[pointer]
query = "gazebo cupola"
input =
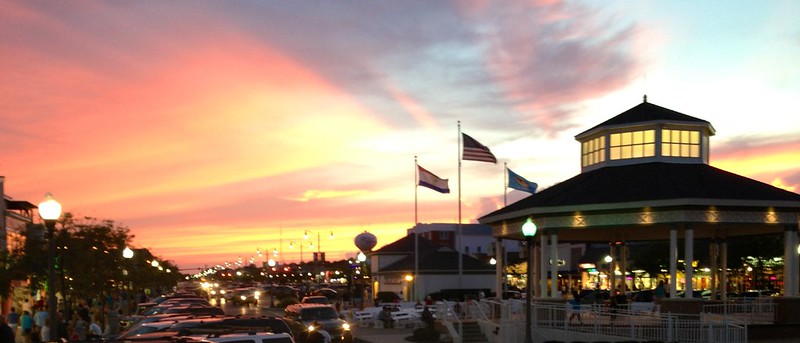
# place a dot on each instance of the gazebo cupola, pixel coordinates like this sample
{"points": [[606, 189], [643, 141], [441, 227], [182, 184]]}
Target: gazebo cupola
{"points": [[645, 133]]}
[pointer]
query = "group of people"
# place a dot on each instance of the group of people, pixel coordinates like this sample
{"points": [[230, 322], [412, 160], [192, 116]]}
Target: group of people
{"points": [[31, 323], [385, 316]]}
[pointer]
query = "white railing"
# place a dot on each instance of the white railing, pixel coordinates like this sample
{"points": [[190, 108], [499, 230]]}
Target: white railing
{"points": [[551, 321], [749, 310]]}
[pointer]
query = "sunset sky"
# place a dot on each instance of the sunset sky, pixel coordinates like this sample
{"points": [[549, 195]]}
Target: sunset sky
{"points": [[215, 128]]}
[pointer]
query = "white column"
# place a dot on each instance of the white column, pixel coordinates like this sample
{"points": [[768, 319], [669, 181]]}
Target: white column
{"points": [[554, 264], [688, 258], [673, 261], [543, 266]]}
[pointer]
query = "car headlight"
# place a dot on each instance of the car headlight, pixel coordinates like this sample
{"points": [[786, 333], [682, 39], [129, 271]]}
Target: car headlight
{"points": [[257, 293], [346, 326], [243, 297], [311, 328], [222, 292], [213, 292]]}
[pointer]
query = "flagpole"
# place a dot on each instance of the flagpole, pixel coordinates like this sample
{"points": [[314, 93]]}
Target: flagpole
{"points": [[415, 231], [416, 189], [458, 228], [505, 184]]}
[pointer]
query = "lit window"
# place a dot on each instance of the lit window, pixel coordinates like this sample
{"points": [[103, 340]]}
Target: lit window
{"points": [[634, 144], [593, 151], [680, 143]]}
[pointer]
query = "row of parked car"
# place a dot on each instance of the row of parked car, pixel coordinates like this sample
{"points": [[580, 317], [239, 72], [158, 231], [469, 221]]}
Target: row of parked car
{"points": [[176, 318]]}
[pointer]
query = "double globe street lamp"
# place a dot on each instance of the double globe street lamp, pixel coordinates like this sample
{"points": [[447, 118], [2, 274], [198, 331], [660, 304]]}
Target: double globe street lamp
{"points": [[50, 211]]}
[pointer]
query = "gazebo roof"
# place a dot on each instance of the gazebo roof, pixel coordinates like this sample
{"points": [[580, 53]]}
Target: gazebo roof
{"points": [[655, 195], [648, 113]]}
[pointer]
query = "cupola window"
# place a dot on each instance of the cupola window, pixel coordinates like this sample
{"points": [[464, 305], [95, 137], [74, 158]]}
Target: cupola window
{"points": [[632, 144], [680, 143], [593, 151]]}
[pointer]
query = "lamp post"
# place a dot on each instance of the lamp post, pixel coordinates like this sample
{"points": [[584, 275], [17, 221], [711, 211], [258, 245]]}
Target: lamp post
{"points": [[611, 282], [127, 253], [50, 211], [529, 230]]}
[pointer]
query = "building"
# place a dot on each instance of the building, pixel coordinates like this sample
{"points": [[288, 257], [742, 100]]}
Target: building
{"points": [[645, 177]]}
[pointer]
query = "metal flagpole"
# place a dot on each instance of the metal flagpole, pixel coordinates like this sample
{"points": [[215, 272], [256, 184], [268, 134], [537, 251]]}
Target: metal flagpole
{"points": [[505, 184], [416, 228], [458, 228], [416, 183]]}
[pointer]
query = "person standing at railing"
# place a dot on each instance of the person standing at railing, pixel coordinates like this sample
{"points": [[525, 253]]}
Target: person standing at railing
{"points": [[575, 306], [660, 292], [619, 300]]}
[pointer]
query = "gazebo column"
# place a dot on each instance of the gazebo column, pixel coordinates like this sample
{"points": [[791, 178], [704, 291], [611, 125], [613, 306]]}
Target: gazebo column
{"points": [[553, 264], [688, 258], [673, 261], [623, 263], [723, 260], [612, 275], [790, 272], [712, 254], [537, 270], [543, 265], [499, 256]]}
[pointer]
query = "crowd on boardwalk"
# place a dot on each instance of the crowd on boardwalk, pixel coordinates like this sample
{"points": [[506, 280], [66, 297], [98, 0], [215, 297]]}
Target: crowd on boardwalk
{"points": [[86, 319]]}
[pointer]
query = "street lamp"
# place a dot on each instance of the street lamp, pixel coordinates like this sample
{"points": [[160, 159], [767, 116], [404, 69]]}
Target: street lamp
{"points": [[529, 230], [50, 211], [611, 279], [128, 255]]}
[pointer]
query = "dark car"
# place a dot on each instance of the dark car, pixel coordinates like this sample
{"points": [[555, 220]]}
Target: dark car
{"points": [[326, 292], [300, 316], [196, 310], [315, 299], [387, 297], [239, 324], [245, 296]]}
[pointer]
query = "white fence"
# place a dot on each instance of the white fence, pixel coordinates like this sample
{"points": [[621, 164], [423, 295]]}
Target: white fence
{"points": [[551, 321]]}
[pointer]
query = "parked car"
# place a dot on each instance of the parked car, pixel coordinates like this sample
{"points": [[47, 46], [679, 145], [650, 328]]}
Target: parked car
{"points": [[387, 297], [240, 324], [245, 296], [300, 316], [250, 337], [326, 292], [315, 299]]}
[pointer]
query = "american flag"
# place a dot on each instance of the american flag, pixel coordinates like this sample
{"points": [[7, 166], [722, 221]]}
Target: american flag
{"points": [[475, 151]]}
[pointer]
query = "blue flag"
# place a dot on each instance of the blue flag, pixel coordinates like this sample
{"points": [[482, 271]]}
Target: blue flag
{"points": [[519, 183]]}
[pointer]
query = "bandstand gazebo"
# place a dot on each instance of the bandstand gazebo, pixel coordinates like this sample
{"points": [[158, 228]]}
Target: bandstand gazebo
{"points": [[645, 177]]}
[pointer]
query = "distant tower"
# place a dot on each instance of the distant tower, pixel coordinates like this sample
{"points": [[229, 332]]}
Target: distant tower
{"points": [[366, 241]]}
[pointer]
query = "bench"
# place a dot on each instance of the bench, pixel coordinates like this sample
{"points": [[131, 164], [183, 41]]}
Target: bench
{"points": [[363, 318], [403, 319]]}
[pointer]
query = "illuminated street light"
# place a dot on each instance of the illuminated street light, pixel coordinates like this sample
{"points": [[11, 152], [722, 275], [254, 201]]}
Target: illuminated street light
{"points": [[361, 257], [154, 264], [50, 211], [529, 230]]}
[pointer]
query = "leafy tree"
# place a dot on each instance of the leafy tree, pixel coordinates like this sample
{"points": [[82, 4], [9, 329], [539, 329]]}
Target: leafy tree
{"points": [[90, 253]]}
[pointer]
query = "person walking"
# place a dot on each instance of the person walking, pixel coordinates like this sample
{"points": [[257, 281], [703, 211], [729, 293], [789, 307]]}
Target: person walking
{"points": [[26, 325], [12, 319]]}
